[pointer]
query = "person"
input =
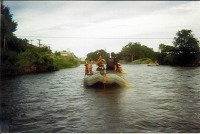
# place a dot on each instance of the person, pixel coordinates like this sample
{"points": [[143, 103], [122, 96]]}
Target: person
{"points": [[118, 68], [88, 68], [112, 62], [100, 64]]}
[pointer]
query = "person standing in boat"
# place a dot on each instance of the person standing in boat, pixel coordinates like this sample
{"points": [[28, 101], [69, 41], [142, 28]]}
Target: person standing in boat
{"points": [[100, 64], [112, 62]]}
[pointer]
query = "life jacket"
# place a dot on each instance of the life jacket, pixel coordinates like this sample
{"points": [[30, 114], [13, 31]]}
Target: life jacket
{"points": [[90, 68], [86, 68]]}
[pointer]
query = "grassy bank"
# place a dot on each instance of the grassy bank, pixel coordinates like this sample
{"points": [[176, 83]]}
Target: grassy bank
{"points": [[34, 60], [142, 61]]}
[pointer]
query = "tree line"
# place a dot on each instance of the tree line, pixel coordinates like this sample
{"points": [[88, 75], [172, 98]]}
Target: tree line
{"points": [[184, 52], [20, 57]]}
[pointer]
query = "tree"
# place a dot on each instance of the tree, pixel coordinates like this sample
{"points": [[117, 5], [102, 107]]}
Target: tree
{"points": [[134, 51], [166, 48], [18, 56], [187, 48], [131, 51], [148, 52], [35, 60], [95, 55], [8, 26], [166, 55]]}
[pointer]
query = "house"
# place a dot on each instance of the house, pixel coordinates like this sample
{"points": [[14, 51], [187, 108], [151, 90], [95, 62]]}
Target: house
{"points": [[65, 53]]}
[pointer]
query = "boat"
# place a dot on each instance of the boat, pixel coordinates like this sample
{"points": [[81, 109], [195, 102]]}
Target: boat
{"points": [[110, 76], [152, 64], [107, 79]]}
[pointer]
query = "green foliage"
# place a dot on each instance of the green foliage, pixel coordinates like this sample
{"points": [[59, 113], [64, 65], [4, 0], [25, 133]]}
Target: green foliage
{"points": [[8, 26], [46, 49], [166, 48], [17, 44], [187, 48], [35, 60], [166, 57], [134, 51], [95, 55], [8, 61], [184, 52], [65, 62], [57, 53], [142, 61], [19, 57]]}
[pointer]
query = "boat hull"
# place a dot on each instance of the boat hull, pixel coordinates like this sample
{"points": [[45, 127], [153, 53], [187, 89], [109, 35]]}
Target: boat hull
{"points": [[107, 79]]}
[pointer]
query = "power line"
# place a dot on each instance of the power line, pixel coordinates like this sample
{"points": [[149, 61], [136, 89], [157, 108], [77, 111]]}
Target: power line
{"points": [[104, 38], [96, 37]]}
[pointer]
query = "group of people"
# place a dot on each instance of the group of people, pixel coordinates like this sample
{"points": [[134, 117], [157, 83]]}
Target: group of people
{"points": [[112, 64]]}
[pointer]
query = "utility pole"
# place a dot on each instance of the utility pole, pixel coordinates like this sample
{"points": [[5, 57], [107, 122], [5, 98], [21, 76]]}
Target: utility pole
{"points": [[39, 41], [31, 42]]}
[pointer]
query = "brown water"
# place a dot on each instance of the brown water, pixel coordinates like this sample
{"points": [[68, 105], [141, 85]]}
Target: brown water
{"points": [[159, 99]]}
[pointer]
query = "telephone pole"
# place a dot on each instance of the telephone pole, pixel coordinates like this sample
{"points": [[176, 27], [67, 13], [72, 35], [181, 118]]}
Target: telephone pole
{"points": [[39, 41]]}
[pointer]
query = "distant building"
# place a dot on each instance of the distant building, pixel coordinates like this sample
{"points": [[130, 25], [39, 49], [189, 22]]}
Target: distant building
{"points": [[82, 59], [65, 53]]}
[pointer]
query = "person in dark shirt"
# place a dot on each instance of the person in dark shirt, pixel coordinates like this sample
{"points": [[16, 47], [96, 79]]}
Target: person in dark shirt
{"points": [[112, 62]]}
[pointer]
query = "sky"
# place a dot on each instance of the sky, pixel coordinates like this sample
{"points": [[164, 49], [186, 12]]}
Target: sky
{"points": [[86, 26]]}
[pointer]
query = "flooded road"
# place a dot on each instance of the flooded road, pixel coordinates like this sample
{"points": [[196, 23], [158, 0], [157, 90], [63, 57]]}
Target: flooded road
{"points": [[158, 99]]}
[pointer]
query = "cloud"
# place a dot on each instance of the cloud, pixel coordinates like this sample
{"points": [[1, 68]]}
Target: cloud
{"points": [[94, 21]]}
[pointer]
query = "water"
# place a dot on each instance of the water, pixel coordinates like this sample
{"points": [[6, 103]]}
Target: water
{"points": [[158, 99]]}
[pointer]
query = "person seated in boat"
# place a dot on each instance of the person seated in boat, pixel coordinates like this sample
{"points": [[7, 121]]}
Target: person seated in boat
{"points": [[100, 64], [88, 68], [112, 62], [118, 68]]}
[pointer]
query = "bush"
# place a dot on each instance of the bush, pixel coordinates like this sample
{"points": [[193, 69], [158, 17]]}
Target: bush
{"points": [[34, 60], [65, 62]]}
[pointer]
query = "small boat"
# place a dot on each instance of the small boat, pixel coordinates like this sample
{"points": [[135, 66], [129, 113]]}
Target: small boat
{"points": [[152, 64], [107, 79]]}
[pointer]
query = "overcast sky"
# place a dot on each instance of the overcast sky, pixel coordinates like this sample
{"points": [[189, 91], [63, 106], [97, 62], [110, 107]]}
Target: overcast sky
{"points": [[87, 26]]}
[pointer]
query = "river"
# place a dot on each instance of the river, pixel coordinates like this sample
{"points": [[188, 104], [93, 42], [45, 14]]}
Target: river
{"points": [[158, 99]]}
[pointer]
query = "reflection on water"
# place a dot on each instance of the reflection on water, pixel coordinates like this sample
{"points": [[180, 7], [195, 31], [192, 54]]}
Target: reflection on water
{"points": [[159, 99]]}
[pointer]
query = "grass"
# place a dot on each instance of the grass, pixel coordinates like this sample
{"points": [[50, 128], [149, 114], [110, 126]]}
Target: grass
{"points": [[142, 61]]}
